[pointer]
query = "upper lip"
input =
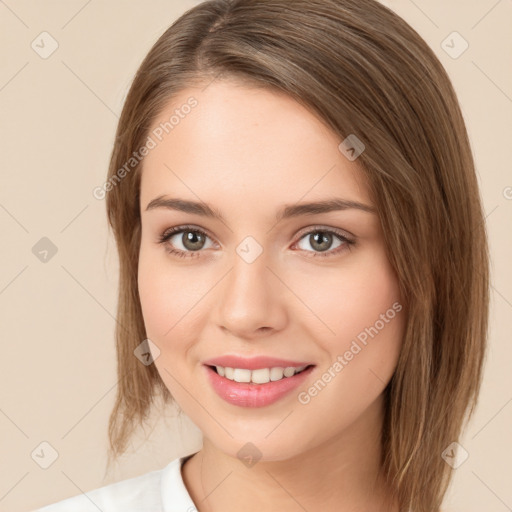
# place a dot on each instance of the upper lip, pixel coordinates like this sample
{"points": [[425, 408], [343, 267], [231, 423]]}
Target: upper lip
{"points": [[253, 363]]}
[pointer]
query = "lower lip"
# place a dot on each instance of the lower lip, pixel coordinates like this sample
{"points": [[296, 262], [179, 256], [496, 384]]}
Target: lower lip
{"points": [[246, 394]]}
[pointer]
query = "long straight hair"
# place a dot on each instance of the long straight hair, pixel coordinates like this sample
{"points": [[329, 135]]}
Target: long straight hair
{"points": [[363, 71]]}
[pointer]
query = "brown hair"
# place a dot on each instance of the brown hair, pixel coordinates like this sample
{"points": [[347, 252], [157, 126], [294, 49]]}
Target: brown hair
{"points": [[364, 71]]}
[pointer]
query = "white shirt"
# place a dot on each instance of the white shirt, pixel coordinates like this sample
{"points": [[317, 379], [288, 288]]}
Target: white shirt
{"points": [[162, 490]]}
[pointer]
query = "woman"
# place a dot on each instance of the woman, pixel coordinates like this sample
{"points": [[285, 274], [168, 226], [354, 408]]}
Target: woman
{"points": [[303, 261]]}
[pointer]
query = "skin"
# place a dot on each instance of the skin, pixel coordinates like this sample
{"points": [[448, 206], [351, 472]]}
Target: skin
{"points": [[247, 152]]}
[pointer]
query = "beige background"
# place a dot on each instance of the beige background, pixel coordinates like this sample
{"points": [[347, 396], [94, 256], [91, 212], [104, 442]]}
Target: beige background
{"points": [[57, 375]]}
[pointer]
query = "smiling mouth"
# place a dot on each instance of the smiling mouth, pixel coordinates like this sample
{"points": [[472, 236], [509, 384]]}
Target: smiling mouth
{"points": [[260, 375]]}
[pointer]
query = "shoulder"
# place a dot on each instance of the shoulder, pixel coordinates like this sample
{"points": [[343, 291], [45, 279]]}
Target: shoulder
{"points": [[142, 492], [138, 493]]}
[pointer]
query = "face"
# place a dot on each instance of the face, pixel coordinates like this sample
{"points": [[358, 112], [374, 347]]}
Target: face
{"points": [[248, 273]]}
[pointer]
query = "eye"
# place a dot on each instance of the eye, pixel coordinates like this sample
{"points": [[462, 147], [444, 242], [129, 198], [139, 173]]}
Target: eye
{"points": [[191, 239], [321, 240]]}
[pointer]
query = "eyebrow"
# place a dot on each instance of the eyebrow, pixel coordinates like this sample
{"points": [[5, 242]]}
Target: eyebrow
{"points": [[288, 211]]}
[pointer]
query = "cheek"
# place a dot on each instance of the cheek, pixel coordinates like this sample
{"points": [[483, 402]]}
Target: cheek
{"points": [[173, 300], [348, 299], [164, 309], [364, 312], [156, 299], [167, 295]]}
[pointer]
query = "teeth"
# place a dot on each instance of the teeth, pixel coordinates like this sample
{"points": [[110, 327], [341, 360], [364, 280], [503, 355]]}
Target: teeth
{"points": [[259, 376], [240, 375], [289, 372], [276, 373]]}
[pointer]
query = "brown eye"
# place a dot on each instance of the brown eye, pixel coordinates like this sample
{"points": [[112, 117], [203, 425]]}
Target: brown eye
{"points": [[184, 241], [192, 240], [321, 241]]}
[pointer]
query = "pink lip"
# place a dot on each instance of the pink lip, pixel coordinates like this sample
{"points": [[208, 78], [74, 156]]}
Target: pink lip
{"points": [[252, 363], [246, 394]]}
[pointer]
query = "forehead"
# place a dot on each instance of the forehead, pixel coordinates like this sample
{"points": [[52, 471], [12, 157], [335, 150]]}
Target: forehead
{"points": [[239, 143]]}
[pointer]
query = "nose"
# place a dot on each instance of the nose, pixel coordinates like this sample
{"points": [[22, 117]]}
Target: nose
{"points": [[251, 299]]}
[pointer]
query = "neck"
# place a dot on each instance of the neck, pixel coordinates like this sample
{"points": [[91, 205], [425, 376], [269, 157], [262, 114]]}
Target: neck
{"points": [[340, 475]]}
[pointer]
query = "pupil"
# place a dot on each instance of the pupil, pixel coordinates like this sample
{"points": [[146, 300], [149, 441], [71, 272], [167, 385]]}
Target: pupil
{"points": [[320, 237], [192, 240]]}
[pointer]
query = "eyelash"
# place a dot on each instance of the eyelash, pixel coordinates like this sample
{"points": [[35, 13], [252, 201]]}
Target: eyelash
{"points": [[167, 234]]}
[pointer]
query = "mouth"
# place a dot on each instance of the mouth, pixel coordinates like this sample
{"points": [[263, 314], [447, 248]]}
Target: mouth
{"points": [[259, 387], [260, 375]]}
